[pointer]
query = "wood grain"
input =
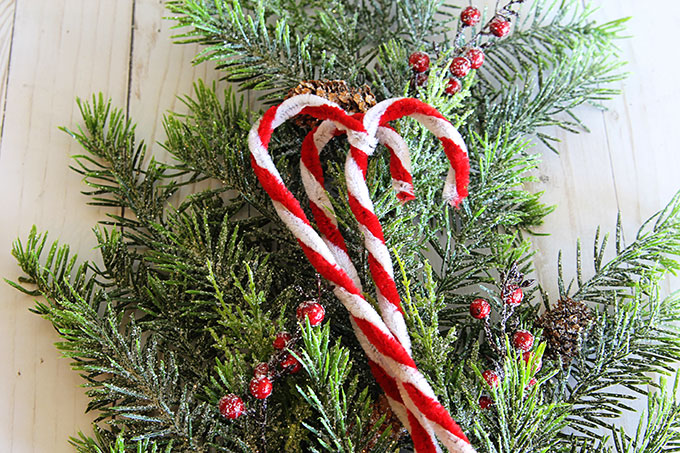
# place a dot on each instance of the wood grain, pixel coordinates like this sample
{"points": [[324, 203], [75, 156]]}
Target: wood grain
{"points": [[7, 8], [61, 49], [67, 48]]}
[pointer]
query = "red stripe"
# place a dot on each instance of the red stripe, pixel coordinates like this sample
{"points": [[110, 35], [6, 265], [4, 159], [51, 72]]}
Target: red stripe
{"points": [[407, 107], [360, 158], [366, 217], [333, 113], [265, 130], [385, 343], [422, 442], [384, 282], [326, 227], [386, 382], [310, 157], [460, 162], [434, 411], [328, 271], [400, 173], [277, 191]]}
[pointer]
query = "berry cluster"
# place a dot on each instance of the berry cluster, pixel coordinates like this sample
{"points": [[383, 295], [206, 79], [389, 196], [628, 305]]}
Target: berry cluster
{"points": [[231, 406], [471, 58], [469, 55], [511, 296]]}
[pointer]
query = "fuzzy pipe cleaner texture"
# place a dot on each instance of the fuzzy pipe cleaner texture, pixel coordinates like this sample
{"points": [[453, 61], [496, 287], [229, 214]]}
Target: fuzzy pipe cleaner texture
{"points": [[384, 339]]}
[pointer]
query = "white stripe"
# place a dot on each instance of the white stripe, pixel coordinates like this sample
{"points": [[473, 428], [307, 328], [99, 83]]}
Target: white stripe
{"points": [[324, 134], [374, 115], [356, 184], [345, 262], [292, 106], [376, 248], [304, 232]]}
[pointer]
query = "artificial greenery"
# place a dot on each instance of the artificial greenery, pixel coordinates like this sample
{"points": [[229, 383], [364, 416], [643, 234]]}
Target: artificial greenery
{"points": [[194, 284]]}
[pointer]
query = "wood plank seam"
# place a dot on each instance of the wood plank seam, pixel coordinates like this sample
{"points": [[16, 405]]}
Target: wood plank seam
{"points": [[9, 67]]}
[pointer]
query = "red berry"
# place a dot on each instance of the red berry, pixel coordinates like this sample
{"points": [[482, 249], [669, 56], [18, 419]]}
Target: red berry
{"points": [[485, 402], [453, 86], [260, 387], [526, 356], [312, 311], [476, 57], [262, 369], [531, 383], [281, 340], [231, 406], [514, 296], [470, 16], [523, 340], [480, 309], [421, 79], [419, 61], [499, 27], [460, 66], [491, 378], [291, 364]]}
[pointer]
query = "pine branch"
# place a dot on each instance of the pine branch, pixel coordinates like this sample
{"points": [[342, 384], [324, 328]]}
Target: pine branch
{"points": [[647, 260], [343, 421], [555, 61], [251, 51], [116, 167], [659, 428], [624, 348]]}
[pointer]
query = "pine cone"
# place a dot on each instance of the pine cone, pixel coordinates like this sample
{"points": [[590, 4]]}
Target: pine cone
{"points": [[562, 328], [352, 100]]}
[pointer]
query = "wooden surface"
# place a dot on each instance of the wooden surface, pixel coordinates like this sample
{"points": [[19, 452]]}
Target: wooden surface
{"points": [[53, 51]]}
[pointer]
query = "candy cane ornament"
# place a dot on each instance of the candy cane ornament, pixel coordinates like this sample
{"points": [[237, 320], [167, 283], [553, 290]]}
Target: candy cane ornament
{"points": [[381, 344], [313, 180], [324, 215]]}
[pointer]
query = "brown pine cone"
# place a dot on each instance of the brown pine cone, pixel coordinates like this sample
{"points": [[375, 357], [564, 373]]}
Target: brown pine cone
{"points": [[352, 100]]}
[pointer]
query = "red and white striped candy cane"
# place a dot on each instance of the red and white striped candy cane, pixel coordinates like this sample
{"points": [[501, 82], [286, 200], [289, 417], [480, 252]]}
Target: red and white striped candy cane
{"points": [[378, 340], [324, 215], [314, 186], [417, 395]]}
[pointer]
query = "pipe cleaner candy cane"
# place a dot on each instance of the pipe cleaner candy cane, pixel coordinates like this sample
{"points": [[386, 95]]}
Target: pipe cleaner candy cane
{"points": [[382, 273], [324, 215], [394, 361]]}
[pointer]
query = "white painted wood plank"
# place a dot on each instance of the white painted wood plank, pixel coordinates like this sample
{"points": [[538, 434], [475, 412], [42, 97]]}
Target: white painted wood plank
{"points": [[6, 28], [61, 49], [629, 160], [162, 72]]}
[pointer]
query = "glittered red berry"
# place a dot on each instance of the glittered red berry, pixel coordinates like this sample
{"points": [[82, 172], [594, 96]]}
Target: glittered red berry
{"points": [[291, 364], [421, 79], [526, 356], [260, 387], [499, 27], [231, 406], [419, 61], [312, 311], [281, 340], [460, 66], [480, 309], [453, 86], [262, 369], [476, 57], [485, 402], [514, 297], [470, 16], [523, 340], [491, 378]]}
